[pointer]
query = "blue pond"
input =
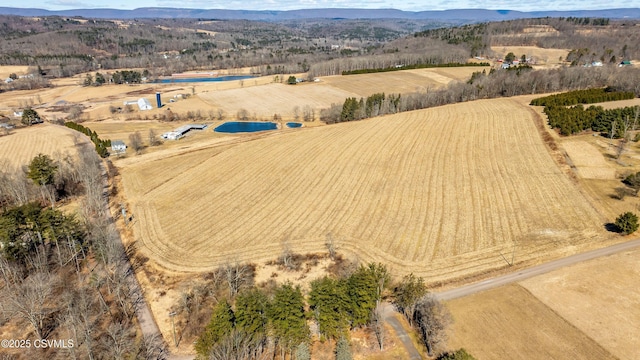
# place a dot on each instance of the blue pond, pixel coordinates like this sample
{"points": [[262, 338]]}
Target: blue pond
{"points": [[237, 127], [204, 79], [294, 125]]}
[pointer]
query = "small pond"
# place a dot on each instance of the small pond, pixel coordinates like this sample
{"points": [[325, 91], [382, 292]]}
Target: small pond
{"points": [[294, 124], [240, 126]]}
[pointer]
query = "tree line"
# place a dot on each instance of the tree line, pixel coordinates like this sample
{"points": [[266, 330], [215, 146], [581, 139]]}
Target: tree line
{"points": [[260, 322], [411, 67], [101, 146], [498, 84], [588, 96]]}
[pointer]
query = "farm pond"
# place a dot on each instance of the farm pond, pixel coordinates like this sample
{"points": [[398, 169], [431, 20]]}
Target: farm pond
{"points": [[251, 126], [202, 79]]}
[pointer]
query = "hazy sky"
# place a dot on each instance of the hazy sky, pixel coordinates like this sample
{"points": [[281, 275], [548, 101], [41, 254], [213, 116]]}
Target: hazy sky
{"points": [[409, 5]]}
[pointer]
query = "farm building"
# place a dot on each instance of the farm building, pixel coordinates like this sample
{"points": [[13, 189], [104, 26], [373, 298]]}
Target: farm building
{"points": [[182, 130], [144, 104], [118, 146]]}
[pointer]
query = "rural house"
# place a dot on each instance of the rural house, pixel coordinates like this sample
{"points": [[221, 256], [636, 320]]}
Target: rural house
{"points": [[118, 146]]}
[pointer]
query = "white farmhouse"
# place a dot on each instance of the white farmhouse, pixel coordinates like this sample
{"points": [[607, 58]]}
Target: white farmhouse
{"points": [[118, 146]]}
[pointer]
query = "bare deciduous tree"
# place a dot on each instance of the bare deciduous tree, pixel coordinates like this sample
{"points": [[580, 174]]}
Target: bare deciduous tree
{"points": [[242, 114], [332, 247], [432, 318], [153, 138], [135, 141], [237, 276], [377, 325], [29, 300]]}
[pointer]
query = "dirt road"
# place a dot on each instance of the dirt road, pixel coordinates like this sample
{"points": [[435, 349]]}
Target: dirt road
{"points": [[536, 270]]}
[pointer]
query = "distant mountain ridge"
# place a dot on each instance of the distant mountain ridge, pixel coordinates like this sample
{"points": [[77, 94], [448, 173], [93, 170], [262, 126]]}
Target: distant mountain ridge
{"points": [[465, 15]]}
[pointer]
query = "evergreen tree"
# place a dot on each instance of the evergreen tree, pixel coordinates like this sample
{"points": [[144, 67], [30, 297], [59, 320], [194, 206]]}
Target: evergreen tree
{"points": [[363, 294], [251, 313], [330, 303], [460, 354], [18, 227], [42, 171], [627, 223], [221, 324], [100, 80], [287, 318], [30, 116], [303, 352], [343, 350]]}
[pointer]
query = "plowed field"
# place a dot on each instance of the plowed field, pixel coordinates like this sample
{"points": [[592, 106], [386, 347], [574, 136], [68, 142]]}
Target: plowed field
{"points": [[442, 192]]}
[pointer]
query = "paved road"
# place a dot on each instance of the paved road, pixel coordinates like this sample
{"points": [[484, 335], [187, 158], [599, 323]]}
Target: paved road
{"points": [[390, 318], [534, 271]]}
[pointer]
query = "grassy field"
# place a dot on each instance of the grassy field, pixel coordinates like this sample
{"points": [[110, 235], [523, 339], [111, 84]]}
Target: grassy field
{"points": [[601, 298], [388, 189], [510, 323], [418, 80], [268, 94], [24, 144], [540, 55], [585, 311]]}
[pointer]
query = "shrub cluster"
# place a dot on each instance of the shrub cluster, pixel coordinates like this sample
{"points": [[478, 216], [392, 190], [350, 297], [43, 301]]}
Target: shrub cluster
{"points": [[101, 145]]}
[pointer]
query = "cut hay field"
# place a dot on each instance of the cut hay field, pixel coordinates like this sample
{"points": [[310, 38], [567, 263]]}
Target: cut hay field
{"points": [[589, 310], [510, 323], [600, 297], [275, 98], [541, 56], [400, 81], [24, 144], [588, 160], [6, 70], [441, 192]]}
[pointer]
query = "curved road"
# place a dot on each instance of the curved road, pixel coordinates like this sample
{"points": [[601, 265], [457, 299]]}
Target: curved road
{"points": [[534, 271]]}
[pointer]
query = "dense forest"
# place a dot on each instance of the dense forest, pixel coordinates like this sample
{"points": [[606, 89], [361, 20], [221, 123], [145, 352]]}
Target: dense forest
{"points": [[63, 46]]}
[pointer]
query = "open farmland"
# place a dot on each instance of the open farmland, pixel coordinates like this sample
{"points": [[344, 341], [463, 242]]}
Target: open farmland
{"points": [[541, 56], [398, 82], [6, 70], [589, 310], [510, 323], [441, 192], [24, 144], [607, 290], [588, 160], [275, 98]]}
